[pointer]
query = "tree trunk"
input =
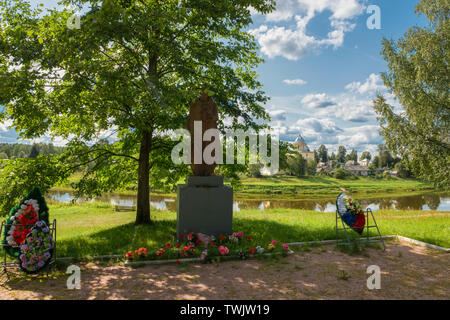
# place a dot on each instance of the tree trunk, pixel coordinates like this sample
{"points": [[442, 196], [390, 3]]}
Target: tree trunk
{"points": [[143, 196]]}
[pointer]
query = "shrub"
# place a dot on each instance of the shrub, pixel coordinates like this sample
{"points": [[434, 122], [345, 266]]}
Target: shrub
{"points": [[341, 174], [254, 171]]}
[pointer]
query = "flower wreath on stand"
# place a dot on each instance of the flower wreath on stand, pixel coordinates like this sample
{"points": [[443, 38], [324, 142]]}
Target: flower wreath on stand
{"points": [[21, 221], [37, 249], [351, 212]]}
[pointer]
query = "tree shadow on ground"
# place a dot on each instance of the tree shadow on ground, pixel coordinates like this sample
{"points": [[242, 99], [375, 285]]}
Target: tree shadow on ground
{"points": [[406, 271]]}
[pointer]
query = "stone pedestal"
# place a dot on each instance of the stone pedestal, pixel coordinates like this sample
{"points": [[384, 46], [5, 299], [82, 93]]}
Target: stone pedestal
{"points": [[204, 205]]}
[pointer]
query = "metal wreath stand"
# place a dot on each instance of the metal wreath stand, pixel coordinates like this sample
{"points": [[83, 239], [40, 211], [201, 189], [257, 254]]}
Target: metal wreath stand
{"points": [[4, 264], [367, 227]]}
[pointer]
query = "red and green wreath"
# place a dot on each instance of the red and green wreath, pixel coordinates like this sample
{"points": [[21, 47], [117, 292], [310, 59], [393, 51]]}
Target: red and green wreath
{"points": [[22, 219]]}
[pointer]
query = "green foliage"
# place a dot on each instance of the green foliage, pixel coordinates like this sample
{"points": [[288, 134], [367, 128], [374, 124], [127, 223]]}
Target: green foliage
{"points": [[296, 165], [129, 74], [18, 176], [418, 76], [402, 169], [18, 150], [34, 153], [323, 153], [3, 155], [366, 155], [341, 174], [342, 152], [352, 156], [385, 159], [311, 167], [254, 171]]}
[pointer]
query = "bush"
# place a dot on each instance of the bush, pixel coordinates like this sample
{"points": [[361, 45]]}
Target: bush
{"points": [[254, 171], [341, 174]]}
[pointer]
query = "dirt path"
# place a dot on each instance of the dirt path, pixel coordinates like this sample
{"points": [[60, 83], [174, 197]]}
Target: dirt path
{"points": [[408, 272]]}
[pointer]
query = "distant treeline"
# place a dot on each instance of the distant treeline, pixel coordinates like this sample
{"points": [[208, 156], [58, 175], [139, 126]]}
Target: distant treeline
{"points": [[18, 150]]}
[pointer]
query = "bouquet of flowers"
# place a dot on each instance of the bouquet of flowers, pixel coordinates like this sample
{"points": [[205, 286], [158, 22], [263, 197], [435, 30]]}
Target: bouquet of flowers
{"points": [[353, 206], [37, 249]]}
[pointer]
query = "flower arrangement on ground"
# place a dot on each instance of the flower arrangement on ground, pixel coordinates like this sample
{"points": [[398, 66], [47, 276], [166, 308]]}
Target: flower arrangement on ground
{"points": [[209, 248]]}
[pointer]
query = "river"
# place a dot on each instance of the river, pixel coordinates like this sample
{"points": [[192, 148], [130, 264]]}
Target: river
{"points": [[425, 202]]}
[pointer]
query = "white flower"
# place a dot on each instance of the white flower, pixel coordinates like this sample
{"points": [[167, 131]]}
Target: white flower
{"points": [[23, 207]]}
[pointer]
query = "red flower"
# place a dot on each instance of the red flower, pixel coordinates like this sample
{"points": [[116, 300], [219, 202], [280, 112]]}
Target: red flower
{"points": [[168, 245], [198, 241], [249, 237], [129, 254], [177, 245], [252, 251], [178, 261], [213, 244]]}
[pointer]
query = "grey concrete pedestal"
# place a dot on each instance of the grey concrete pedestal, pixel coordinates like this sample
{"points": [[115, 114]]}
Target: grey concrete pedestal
{"points": [[204, 205]]}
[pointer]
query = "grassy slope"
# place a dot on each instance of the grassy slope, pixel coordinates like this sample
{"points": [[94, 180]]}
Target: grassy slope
{"points": [[313, 187], [87, 230], [327, 187]]}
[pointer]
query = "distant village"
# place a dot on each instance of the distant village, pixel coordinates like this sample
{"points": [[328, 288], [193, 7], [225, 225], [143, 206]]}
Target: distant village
{"points": [[324, 164]]}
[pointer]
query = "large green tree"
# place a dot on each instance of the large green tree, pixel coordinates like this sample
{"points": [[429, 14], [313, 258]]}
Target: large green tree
{"points": [[116, 87], [419, 76], [323, 153], [341, 153]]}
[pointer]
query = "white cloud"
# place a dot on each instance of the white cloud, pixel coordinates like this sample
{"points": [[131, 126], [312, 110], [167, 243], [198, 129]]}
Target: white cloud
{"points": [[297, 82], [295, 43], [277, 115], [326, 126], [315, 101], [4, 126], [372, 84]]}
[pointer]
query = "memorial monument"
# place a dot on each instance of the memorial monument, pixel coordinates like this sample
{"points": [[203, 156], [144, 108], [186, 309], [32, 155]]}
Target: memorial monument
{"points": [[204, 204]]}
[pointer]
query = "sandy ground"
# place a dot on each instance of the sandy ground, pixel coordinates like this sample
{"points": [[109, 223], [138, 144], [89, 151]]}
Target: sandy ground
{"points": [[324, 272]]}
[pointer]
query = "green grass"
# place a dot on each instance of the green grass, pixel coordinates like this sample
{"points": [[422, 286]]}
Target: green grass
{"points": [[310, 187], [96, 229], [328, 187]]}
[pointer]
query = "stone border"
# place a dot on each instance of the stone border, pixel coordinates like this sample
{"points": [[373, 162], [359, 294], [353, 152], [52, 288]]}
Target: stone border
{"points": [[396, 237], [423, 244], [173, 261]]}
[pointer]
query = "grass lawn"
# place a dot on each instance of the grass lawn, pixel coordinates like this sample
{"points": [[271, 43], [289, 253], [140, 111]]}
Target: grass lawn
{"points": [[95, 229], [309, 187], [328, 187]]}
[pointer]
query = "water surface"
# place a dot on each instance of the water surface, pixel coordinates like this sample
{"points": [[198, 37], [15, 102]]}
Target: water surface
{"points": [[425, 202]]}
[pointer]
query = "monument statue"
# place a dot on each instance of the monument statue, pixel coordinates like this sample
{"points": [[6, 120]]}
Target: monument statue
{"points": [[203, 109]]}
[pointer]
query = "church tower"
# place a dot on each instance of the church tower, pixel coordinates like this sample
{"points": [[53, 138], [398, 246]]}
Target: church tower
{"points": [[302, 148]]}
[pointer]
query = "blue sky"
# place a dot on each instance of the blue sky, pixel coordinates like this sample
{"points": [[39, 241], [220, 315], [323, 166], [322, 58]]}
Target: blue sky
{"points": [[321, 69]]}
